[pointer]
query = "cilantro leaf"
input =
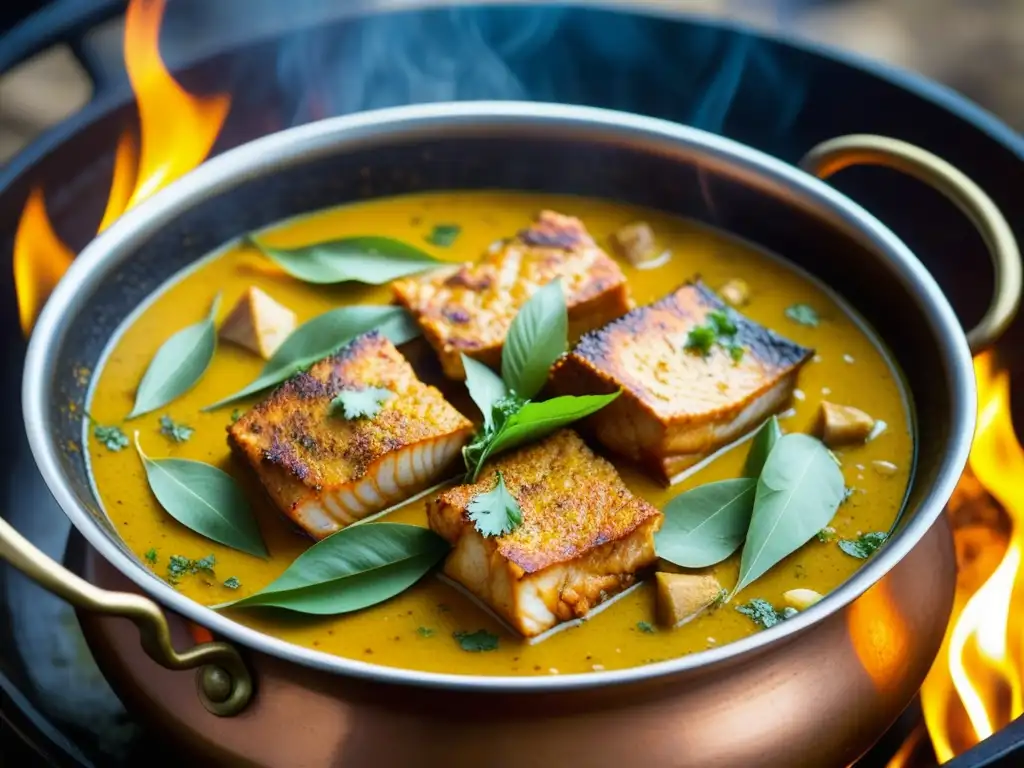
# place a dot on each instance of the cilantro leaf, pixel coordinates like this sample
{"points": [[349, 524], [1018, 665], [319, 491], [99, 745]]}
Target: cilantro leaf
{"points": [[722, 323], [112, 437], [864, 546], [443, 235], [719, 328], [179, 433], [475, 642], [232, 582], [496, 512], [646, 627], [151, 555], [701, 338], [424, 631], [827, 535], [762, 612], [804, 314], [361, 403], [179, 566], [236, 415]]}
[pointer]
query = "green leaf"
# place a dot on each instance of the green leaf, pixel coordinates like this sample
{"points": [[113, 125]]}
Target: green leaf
{"points": [[475, 642], [798, 493], [646, 627], [827, 534], [864, 546], [707, 524], [443, 235], [718, 328], [179, 433], [179, 566], [205, 499], [372, 260], [496, 512], [760, 446], [701, 339], [424, 631], [112, 437], [534, 421], [178, 365], [485, 387], [537, 337], [322, 336], [361, 403], [762, 612], [151, 555], [357, 567], [232, 582], [804, 314]]}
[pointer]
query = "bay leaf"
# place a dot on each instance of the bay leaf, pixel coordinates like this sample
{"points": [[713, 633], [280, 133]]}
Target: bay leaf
{"points": [[707, 524], [760, 446], [485, 387], [178, 365], [357, 567], [370, 259], [537, 337], [798, 492], [204, 499], [322, 336]]}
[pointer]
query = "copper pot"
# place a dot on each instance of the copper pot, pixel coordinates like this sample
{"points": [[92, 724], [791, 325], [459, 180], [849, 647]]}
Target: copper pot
{"points": [[817, 689]]}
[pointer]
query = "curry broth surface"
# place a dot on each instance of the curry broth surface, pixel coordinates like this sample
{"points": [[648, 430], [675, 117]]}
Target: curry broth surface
{"points": [[414, 630]]}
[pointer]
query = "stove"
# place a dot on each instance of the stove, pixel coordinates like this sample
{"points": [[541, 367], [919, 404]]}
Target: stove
{"points": [[285, 64]]}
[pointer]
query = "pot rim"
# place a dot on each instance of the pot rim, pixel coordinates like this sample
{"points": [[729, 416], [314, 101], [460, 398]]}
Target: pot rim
{"points": [[299, 144]]}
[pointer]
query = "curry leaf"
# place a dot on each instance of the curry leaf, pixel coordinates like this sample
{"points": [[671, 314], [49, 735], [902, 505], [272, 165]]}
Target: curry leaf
{"points": [[361, 403], [352, 569], [798, 493], [496, 512], [372, 259], [533, 421], [765, 439], [485, 387], [178, 365], [322, 336], [205, 499], [537, 337], [707, 524], [864, 546]]}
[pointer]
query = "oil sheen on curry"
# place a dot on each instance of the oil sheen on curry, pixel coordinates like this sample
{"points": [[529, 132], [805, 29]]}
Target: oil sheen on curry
{"points": [[600, 436]]}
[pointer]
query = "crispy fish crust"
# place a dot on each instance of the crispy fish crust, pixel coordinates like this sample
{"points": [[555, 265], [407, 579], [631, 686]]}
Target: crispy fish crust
{"points": [[325, 471], [676, 406], [583, 537], [469, 308]]}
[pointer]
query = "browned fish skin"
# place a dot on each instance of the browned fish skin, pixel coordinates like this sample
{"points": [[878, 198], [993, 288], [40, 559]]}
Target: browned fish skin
{"points": [[325, 471], [677, 407], [583, 537], [469, 308]]}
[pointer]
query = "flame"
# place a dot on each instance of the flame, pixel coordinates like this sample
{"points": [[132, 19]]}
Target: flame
{"points": [[177, 131], [975, 686]]}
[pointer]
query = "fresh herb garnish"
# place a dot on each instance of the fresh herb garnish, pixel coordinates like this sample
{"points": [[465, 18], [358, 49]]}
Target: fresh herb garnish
{"points": [[701, 339], [646, 627], [827, 534], [112, 437], [372, 260], [179, 566], [236, 415], [232, 582], [323, 336], [496, 512], [178, 365], [478, 641], [443, 235], [151, 555], [762, 612], [486, 388], [865, 545], [718, 328], [424, 631], [705, 525], [356, 567], [205, 499], [804, 314], [179, 433], [360, 403], [536, 338]]}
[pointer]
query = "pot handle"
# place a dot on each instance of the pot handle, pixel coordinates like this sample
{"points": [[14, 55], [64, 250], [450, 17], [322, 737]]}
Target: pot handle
{"points": [[836, 154], [223, 681]]}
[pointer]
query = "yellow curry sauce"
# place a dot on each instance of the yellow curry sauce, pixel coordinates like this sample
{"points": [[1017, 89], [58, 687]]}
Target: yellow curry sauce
{"points": [[415, 629]]}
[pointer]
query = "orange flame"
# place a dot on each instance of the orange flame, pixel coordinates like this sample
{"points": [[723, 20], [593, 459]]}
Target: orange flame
{"points": [[975, 686], [177, 131]]}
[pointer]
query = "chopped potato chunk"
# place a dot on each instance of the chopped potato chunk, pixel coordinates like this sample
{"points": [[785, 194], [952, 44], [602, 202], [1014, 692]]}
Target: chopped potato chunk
{"points": [[844, 425], [736, 293], [636, 242], [258, 323], [684, 596], [801, 599]]}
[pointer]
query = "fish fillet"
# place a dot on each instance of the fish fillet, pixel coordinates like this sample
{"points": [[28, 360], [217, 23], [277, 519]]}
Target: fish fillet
{"points": [[678, 406], [583, 537], [469, 308], [325, 471]]}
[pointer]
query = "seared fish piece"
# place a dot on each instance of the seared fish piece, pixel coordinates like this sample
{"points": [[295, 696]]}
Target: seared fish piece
{"points": [[325, 471], [678, 406], [583, 537], [469, 308]]}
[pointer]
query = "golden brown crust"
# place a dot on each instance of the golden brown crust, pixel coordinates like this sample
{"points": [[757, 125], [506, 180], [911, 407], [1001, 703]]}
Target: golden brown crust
{"points": [[469, 308]]}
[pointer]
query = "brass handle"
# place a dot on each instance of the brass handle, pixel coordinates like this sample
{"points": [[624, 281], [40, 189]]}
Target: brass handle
{"points": [[863, 149], [223, 681]]}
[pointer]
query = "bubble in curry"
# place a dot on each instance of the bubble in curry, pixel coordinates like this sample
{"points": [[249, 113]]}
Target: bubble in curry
{"points": [[499, 433]]}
